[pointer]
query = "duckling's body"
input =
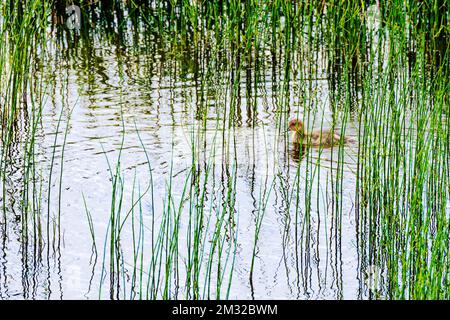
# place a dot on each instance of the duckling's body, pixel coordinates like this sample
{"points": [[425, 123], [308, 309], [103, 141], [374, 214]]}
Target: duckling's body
{"points": [[324, 139], [317, 138]]}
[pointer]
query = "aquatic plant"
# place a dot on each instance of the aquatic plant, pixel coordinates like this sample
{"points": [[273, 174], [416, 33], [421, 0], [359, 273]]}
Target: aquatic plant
{"points": [[376, 70]]}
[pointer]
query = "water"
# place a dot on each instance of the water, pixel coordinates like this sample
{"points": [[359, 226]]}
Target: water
{"points": [[155, 105]]}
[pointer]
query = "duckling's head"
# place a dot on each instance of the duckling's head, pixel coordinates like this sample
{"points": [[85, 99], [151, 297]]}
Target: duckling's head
{"points": [[296, 125]]}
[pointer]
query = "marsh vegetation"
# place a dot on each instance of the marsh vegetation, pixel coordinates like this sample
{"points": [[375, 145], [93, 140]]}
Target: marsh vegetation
{"points": [[145, 151]]}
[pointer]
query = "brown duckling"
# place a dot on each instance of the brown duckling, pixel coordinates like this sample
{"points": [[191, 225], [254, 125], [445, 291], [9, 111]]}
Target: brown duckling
{"points": [[317, 138]]}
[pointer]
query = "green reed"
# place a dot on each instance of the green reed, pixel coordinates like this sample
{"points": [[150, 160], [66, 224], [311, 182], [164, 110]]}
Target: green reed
{"points": [[392, 79]]}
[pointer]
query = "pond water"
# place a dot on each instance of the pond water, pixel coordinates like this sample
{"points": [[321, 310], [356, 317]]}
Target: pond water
{"points": [[142, 148]]}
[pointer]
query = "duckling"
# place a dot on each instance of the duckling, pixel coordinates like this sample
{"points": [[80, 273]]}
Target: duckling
{"points": [[317, 138]]}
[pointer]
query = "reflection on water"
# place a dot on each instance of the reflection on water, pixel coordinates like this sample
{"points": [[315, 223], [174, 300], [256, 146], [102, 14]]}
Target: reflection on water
{"points": [[287, 218]]}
